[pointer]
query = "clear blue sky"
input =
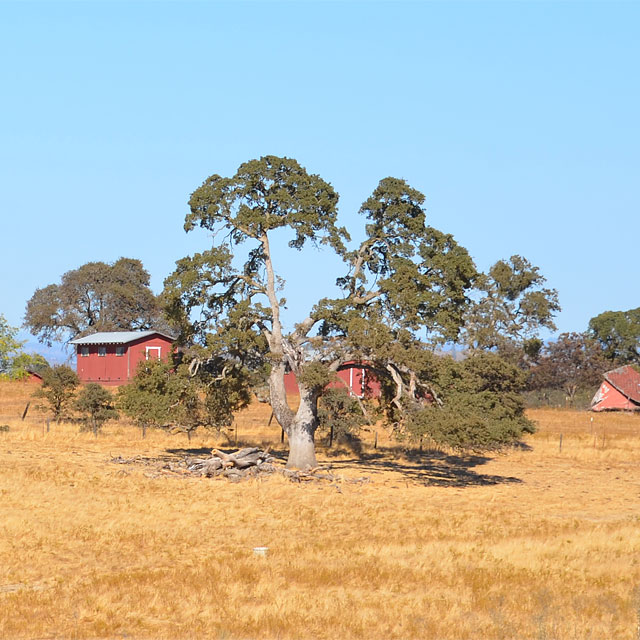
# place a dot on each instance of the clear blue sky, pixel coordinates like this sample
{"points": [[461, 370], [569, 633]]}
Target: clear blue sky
{"points": [[518, 121]]}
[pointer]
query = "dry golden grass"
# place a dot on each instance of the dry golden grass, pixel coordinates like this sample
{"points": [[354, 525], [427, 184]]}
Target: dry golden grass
{"points": [[532, 543]]}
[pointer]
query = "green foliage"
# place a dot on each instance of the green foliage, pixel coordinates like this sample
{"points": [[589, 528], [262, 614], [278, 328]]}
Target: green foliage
{"points": [[95, 297], [482, 405], [406, 289], [58, 389], [340, 415], [24, 363], [618, 332], [96, 405], [9, 346], [149, 397], [14, 363], [160, 395], [513, 306], [572, 362]]}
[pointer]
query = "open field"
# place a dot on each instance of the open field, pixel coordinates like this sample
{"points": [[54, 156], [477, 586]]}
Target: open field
{"points": [[533, 543]]}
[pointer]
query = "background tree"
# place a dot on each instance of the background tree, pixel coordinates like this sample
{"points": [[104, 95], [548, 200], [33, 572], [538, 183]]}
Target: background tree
{"points": [[618, 332], [405, 289], [9, 346], [95, 297], [58, 389], [96, 405], [14, 362], [572, 362], [512, 309]]}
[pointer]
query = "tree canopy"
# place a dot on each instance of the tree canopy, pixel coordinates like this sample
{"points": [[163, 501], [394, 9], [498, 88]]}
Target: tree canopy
{"points": [[406, 289], [571, 362], [94, 297], [512, 307], [618, 332], [14, 362]]}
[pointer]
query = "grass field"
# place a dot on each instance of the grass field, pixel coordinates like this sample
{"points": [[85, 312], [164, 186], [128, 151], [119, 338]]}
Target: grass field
{"points": [[540, 542]]}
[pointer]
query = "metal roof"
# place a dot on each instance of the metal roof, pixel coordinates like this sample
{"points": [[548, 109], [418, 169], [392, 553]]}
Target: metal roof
{"points": [[626, 380], [118, 337]]}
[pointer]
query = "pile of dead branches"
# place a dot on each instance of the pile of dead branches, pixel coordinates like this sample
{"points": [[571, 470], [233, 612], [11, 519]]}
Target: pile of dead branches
{"points": [[247, 462]]}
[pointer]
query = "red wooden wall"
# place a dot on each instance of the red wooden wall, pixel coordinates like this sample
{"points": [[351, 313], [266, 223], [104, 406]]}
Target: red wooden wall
{"points": [[112, 369]]}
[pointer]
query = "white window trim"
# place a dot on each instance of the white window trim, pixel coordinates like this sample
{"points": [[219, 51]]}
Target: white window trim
{"points": [[147, 351], [84, 351], [102, 352]]}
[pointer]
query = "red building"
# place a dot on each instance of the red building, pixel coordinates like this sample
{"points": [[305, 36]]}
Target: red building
{"points": [[112, 357], [620, 391], [355, 378]]}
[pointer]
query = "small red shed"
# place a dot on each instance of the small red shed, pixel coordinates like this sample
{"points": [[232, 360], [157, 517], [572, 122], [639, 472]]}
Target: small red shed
{"points": [[620, 391], [112, 357]]}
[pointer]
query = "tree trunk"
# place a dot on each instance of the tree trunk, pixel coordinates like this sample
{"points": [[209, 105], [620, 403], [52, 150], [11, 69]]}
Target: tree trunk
{"points": [[302, 449]]}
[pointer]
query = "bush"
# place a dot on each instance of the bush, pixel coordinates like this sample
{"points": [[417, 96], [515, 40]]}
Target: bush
{"points": [[482, 405], [96, 406], [58, 390]]}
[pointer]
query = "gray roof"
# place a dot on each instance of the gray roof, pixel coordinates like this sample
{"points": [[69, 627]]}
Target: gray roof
{"points": [[117, 337]]}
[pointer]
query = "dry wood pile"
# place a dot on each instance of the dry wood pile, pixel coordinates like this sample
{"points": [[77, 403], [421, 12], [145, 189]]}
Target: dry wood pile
{"points": [[249, 462]]}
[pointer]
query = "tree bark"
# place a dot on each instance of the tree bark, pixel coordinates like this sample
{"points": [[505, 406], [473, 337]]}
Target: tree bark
{"points": [[302, 449]]}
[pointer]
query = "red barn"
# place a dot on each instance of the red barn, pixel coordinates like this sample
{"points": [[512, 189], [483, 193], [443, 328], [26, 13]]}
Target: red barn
{"points": [[112, 357], [620, 391], [358, 380]]}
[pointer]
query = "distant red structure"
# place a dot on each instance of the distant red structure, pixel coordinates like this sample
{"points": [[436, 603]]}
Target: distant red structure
{"points": [[112, 357], [33, 377], [620, 391], [354, 377]]}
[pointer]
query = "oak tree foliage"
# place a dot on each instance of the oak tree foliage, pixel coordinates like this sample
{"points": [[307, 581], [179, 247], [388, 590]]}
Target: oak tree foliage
{"points": [[58, 389], [618, 333], [572, 362], [405, 290], [513, 306], [96, 405], [94, 297]]}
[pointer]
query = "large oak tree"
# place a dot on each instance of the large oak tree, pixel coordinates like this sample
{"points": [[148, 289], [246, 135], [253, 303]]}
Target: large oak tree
{"points": [[94, 297], [404, 290]]}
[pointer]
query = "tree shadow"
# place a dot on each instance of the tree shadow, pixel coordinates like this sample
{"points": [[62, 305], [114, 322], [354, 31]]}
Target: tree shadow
{"points": [[429, 468]]}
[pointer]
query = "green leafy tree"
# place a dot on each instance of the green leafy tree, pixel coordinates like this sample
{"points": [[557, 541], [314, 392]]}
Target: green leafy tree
{"points": [[96, 405], [58, 390], [572, 362], [618, 332], [480, 404], [9, 346], [24, 363], [404, 291], [163, 396], [512, 308], [340, 415], [95, 297]]}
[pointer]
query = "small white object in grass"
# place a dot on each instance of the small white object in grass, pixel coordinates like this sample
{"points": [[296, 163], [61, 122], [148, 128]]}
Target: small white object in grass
{"points": [[260, 551]]}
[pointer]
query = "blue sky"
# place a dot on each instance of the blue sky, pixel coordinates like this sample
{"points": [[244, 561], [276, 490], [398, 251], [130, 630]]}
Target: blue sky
{"points": [[518, 121]]}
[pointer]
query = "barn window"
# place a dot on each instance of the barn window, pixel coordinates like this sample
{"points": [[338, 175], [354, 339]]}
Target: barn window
{"points": [[102, 351], [84, 351], [119, 351], [152, 353]]}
